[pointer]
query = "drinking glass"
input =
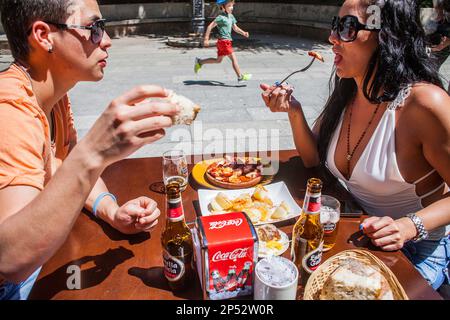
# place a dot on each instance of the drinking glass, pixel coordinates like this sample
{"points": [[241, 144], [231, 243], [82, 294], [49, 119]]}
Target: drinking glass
{"points": [[276, 278], [330, 214], [175, 168]]}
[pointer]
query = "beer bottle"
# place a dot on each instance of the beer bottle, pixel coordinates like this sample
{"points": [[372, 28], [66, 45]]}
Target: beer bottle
{"points": [[176, 241], [307, 234]]}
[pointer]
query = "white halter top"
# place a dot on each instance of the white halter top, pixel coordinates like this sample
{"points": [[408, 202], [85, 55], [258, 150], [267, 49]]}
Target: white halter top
{"points": [[376, 181]]}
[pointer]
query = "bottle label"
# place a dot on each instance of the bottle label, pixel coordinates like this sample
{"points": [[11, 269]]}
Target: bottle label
{"points": [[175, 211], [173, 267], [329, 227], [311, 261], [312, 203]]}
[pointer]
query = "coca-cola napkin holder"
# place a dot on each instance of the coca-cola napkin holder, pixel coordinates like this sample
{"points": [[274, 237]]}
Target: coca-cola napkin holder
{"points": [[226, 252]]}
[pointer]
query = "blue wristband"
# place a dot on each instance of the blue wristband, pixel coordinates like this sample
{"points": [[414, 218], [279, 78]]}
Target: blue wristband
{"points": [[99, 198]]}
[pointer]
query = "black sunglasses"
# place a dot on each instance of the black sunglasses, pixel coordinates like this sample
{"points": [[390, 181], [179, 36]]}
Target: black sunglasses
{"points": [[348, 27], [97, 29]]}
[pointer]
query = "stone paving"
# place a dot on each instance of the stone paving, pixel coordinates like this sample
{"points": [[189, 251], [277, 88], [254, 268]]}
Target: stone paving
{"points": [[233, 116]]}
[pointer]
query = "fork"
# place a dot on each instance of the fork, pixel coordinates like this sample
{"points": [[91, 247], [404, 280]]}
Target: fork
{"points": [[278, 84]]}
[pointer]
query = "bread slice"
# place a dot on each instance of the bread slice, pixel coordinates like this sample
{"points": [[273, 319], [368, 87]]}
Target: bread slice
{"points": [[188, 112], [355, 280]]}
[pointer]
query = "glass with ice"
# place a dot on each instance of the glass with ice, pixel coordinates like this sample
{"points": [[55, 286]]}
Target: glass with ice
{"points": [[276, 278], [330, 214]]}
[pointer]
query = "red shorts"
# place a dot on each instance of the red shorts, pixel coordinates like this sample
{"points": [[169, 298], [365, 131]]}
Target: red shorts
{"points": [[224, 47]]}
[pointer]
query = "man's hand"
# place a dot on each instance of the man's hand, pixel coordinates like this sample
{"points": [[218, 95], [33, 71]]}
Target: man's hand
{"points": [[128, 124], [246, 34], [136, 216], [387, 233]]}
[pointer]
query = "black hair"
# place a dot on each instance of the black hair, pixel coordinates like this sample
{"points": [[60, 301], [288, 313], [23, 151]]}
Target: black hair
{"points": [[17, 17], [442, 4], [401, 59]]}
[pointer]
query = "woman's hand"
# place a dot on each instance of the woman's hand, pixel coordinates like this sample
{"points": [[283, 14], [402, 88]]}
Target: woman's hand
{"points": [[387, 233], [138, 215], [279, 99]]}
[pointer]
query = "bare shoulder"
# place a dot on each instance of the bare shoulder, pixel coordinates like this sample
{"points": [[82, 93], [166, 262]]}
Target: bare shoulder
{"points": [[428, 104], [428, 109], [429, 99]]}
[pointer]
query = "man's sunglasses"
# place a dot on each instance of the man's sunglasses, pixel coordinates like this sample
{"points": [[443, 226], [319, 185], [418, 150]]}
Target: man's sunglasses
{"points": [[97, 29], [348, 27]]}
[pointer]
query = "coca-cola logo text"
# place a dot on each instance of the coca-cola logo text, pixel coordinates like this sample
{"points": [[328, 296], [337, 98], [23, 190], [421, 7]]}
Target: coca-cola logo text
{"points": [[224, 223], [233, 255]]}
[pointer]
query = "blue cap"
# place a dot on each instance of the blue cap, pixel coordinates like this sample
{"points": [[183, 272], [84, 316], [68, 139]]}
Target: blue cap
{"points": [[220, 2]]}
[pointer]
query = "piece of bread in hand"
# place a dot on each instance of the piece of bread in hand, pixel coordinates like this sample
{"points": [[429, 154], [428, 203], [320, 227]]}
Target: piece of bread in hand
{"points": [[188, 112], [355, 280]]}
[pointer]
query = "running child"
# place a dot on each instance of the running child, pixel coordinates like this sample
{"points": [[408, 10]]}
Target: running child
{"points": [[225, 23]]}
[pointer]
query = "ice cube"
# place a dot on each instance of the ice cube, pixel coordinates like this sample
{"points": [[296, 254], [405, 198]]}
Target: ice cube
{"points": [[324, 217], [276, 271], [334, 217]]}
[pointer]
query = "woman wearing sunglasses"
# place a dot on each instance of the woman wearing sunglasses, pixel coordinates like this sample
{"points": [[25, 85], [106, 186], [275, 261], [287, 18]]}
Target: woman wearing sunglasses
{"points": [[385, 131]]}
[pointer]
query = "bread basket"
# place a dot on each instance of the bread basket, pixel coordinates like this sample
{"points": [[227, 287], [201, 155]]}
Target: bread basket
{"points": [[317, 279]]}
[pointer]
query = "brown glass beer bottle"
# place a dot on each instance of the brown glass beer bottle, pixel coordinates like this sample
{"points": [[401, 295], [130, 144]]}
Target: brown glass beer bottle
{"points": [[307, 234], [176, 241]]}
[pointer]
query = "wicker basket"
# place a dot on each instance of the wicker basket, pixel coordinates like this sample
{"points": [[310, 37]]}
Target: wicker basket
{"points": [[316, 281]]}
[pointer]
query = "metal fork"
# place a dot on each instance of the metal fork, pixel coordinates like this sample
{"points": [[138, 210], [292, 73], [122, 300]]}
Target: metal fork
{"points": [[278, 84]]}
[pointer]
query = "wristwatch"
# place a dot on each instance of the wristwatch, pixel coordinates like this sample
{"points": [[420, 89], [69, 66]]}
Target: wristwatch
{"points": [[422, 233]]}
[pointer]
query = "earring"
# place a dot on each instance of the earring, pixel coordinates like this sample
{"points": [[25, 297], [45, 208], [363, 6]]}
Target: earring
{"points": [[50, 49]]}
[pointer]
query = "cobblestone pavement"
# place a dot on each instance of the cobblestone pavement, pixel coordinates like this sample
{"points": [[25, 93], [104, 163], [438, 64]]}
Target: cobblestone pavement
{"points": [[233, 117]]}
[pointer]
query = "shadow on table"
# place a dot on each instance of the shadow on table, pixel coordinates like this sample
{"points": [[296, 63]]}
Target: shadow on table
{"points": [[158, 187], [115, 235], [211, 83], [59, 280], [154, 277], [360, 240]]}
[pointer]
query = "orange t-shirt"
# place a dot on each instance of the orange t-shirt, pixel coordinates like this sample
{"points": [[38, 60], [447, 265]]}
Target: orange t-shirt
{"points": [[27, 155]]}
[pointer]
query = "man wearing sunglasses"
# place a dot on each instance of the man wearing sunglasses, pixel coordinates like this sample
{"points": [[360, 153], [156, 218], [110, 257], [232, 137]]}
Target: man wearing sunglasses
{"points": [[46, 175]]}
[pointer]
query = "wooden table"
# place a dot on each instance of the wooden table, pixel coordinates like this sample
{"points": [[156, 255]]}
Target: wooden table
{"points": [[114, 266]]}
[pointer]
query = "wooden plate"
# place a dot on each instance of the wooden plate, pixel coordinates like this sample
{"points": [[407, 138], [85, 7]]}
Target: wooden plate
{"points": [[199, 174], [229, 185]]}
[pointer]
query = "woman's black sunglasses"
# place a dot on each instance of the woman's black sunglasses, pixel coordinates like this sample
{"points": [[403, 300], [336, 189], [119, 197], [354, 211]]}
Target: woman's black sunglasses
{"points": [[348, 27], [97, 29]]}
